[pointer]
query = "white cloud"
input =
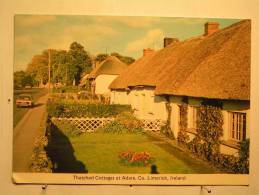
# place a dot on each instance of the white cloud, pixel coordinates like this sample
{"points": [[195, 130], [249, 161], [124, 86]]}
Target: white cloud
{"points": [[133, 22], [90, 30], [32, 21], [89, 34], [151, 38]]}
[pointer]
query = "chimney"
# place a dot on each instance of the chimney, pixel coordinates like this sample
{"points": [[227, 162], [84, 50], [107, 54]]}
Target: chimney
{"points": [[210, 28], [168, 41], [147, 51]]}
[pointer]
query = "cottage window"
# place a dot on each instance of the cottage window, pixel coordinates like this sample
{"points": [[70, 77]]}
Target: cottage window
{"points": [[237, 123], [192, 113]]}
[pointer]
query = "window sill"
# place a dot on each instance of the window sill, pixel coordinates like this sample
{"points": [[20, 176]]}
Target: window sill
{"points": [[231, 143]]}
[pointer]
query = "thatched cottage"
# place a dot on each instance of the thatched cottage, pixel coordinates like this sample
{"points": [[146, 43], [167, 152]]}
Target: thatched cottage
{"points": [[103, 74], [211, 67]]}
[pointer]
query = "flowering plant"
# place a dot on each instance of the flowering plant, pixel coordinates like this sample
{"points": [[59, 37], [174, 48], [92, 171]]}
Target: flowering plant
{"points": [[136, 158]]}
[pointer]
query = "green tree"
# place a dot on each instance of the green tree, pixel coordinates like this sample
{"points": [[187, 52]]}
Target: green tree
{"points": [[59, 66], [125, 59], [22, 79], [79, 62], [38, 67], [101, 57]]}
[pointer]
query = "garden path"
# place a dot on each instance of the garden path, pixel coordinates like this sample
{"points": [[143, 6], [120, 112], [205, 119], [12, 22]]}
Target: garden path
{"points": [[25, 132]]}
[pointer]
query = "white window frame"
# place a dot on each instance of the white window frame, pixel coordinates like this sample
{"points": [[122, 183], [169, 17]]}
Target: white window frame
{"points": [[237, 125], [192, 117]]}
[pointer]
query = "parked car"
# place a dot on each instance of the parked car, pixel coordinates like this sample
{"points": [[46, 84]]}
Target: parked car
{"points": [[27, 87], [24, 100]]}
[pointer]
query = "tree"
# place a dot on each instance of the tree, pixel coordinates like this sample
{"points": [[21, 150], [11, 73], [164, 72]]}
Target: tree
{"points": [[59, 66], [22, 79], [38, 67], [79, 62], [101, 57], [126, 59]]}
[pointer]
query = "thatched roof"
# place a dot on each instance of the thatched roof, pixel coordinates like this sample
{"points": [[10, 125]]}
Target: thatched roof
{"points": [[84, 80], [110, 66], [214, 66], [132, 71]]}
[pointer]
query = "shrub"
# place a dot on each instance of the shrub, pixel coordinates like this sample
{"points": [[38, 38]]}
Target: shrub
{"points": [[183, 137], [119, 128], [130, 122], [74, 109], [40, 162], [112, 127], [244, 156], [55, 109], [136, 158]]}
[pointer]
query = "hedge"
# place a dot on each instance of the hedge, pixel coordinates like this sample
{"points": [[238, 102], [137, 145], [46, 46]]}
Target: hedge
{"points": [[40, 162], [66, 109]]}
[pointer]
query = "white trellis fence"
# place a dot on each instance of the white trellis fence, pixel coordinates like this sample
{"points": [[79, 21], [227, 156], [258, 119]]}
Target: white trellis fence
{"points": [[152, 124], [91, 124], [85, 124]]}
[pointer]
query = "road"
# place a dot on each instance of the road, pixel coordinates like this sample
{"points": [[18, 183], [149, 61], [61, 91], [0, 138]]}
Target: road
{"points": [[25, 132]]}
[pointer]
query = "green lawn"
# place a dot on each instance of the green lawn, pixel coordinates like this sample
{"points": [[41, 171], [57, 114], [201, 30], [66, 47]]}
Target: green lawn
{"points": [[18, 113], [98, 153]]}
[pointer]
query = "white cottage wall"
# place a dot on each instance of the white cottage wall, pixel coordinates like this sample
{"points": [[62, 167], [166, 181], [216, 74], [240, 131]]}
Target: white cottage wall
{"points": [[119, 97], [146, 105], [102, 83]]}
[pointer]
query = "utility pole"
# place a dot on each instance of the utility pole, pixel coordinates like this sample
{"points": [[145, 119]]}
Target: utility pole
{"points": [[49, 71]]}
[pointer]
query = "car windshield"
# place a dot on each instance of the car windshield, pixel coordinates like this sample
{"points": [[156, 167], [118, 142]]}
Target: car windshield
{"points": [[25, 97]]}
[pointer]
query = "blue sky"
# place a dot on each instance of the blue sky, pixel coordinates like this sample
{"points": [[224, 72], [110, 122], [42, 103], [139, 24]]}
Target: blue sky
{"points": [[122, 34]]}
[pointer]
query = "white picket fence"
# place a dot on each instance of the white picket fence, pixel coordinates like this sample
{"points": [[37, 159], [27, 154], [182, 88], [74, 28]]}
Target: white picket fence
{"points": [[91, 124]]}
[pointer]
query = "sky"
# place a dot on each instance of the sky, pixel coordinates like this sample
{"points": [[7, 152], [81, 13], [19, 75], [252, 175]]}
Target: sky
{"points": [[127, 35]]}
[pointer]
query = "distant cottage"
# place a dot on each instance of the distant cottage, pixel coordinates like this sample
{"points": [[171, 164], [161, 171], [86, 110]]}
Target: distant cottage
{"points": [[104, 73], [212, 67]]}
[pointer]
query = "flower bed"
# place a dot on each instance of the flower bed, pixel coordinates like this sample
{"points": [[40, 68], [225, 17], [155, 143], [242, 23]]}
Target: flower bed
{"points": [[131, 158]]}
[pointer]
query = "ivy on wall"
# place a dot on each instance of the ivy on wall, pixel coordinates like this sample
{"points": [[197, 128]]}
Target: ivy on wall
{"points": [[166, 129], [207, 141], [209, 128], [183, 137]]}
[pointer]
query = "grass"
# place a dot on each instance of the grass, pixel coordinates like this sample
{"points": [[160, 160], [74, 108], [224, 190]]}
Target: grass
{"points": [[18, 113], [98, 152]]}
